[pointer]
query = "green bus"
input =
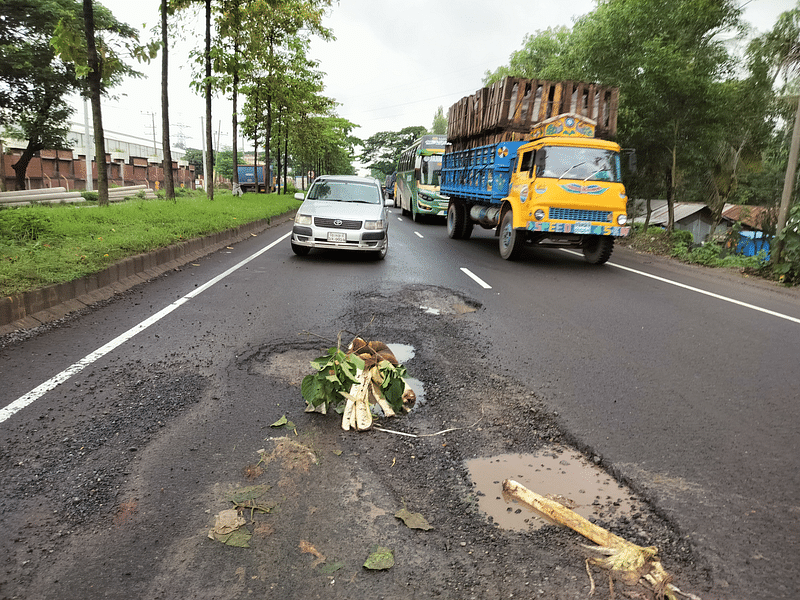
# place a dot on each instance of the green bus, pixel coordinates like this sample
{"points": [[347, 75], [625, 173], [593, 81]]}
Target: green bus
{"points": [[417, 183]]}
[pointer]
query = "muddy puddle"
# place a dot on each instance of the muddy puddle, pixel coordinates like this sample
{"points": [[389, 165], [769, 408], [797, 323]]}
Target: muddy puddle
{"points": [[557, 473]]}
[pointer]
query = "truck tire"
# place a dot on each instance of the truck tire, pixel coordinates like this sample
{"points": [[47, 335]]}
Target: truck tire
{"points": [[455, 220], [511, 241], [597, 248]]}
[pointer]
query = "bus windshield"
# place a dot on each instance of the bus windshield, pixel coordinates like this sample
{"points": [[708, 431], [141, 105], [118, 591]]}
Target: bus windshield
{"points": [[430, 170], [587, 164]]}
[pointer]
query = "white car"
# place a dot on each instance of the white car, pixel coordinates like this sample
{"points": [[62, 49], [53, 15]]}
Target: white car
{"points": [[342, 212]]}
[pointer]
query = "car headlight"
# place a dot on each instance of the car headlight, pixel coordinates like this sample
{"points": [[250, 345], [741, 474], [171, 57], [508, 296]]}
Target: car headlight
{"points": [[622, 219], [302, 219], [373, 224], [539, 214]]}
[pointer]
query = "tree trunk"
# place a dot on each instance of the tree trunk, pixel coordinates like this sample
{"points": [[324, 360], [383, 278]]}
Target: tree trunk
{"points": [[285, 157], [788, 185], [209, 167], [235, 123], [95, 81], [169, 180], [21, 166]]}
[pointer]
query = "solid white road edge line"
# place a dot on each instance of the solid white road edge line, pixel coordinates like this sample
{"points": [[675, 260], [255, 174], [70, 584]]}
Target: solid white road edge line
{"points": [[477, 279], [766, 311], [87, 360]]}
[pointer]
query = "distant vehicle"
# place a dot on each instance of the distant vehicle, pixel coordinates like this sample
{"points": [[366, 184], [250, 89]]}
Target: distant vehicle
{"points": [[250, 181], [418, 170], [342, 212], [388, 185]]}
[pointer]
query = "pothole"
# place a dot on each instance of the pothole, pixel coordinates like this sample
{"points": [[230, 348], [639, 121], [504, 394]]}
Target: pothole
{"points": [[557, 473], [292, 365]]}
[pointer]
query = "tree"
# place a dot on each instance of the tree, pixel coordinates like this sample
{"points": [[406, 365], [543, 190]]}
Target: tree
{"points": [[225, 162], [169, 180], [96, 45], [667, 59], [439, 126], [782, 45], [32, 99], [540, 58], [380, 152]]}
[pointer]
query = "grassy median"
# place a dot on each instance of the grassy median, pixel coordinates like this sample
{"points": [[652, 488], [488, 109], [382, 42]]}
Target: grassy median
{"points": [[46, 244]]}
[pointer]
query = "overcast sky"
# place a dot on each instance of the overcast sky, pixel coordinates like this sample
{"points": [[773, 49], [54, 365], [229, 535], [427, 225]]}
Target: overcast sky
{"points": [[393, 63]]}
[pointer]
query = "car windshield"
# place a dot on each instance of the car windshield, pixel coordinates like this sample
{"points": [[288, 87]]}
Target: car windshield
{"points": [[589, 164], [345, 191]]}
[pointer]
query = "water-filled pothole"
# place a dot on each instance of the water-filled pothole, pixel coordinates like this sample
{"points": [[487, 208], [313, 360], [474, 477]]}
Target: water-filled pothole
{"points": [[556, 473], [404, 353]]}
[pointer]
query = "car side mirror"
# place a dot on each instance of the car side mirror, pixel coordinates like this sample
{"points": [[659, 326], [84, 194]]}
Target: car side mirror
{"points": [[299, 196]]}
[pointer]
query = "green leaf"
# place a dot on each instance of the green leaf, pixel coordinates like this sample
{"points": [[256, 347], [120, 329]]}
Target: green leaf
{"points": [[280, 422], [380, 559], [242, 495]]}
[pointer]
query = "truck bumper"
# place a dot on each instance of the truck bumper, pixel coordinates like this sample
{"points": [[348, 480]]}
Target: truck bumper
{"points": [[578, 228]]}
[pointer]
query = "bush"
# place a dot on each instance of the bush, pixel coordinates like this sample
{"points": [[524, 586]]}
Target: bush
{"points": [[24, 225], [789, 267]]}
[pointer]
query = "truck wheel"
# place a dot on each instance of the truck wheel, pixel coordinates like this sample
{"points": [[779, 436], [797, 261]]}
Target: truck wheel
{"points": [[455, 220], [597, 248], [510, 239]]}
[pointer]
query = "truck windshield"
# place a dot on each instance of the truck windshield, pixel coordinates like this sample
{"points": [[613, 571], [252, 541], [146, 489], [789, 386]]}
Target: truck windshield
{"points": [[587, 164], [430, 170]]}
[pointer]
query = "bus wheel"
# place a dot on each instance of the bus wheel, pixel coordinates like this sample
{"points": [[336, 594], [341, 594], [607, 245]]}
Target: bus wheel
{"points": [[597, 248], [510, 239]]}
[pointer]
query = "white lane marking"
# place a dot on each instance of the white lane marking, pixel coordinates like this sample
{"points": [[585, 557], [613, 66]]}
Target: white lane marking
{"points": [[87, 360], [477, 279], [766, 311], [418, 234]]}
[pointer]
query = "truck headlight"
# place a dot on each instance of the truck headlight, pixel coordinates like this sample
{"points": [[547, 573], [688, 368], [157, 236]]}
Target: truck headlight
{"points": [[622, 219], [373, 224], [539, 214], [302, 219]]}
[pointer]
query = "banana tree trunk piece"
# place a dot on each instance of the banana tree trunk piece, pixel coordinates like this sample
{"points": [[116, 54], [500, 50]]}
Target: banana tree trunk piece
{"points": [[627, 560]]}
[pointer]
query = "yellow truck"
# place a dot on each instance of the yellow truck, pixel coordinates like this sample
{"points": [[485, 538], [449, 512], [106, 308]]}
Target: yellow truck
{"points": [[557, 185]]}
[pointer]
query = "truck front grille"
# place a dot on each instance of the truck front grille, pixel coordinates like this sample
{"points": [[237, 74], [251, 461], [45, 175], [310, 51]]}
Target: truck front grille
{"points": [[571, 214]]}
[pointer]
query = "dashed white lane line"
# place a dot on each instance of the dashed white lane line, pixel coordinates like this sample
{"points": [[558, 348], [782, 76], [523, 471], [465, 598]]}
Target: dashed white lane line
{"points": [[476, 279], [419, 235], [87, 360]]}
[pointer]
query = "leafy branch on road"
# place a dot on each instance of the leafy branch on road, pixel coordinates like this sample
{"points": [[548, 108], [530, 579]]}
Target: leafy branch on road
{"points": [[355, 382]]}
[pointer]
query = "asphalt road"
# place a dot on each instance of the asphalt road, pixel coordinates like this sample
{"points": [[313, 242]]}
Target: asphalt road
{"points": [[683, 380]]}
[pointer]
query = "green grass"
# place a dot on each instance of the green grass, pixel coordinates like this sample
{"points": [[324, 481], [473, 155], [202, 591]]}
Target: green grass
{"points": [[48, 244]]}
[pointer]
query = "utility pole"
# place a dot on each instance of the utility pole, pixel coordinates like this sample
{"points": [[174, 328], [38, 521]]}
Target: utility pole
{"points": [[153, 118]]}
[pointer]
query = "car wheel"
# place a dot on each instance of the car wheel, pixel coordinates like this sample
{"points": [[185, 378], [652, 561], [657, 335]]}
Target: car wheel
{"points": [[300, 250], [381, 254], [510, 239], [597, 248]]}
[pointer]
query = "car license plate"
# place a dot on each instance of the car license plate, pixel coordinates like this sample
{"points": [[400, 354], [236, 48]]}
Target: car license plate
{"points": [[582, 227], [335, 236]]}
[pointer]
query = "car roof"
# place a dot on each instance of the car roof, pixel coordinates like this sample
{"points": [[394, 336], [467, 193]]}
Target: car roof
{"points": [[348, 178]]}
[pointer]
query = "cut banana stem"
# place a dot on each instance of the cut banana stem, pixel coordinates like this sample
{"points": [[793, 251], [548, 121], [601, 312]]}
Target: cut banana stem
{"points": [[382, 402]]}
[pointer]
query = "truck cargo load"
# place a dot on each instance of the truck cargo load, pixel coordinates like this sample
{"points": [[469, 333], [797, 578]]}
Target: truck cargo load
{"points": [[507, 110]]}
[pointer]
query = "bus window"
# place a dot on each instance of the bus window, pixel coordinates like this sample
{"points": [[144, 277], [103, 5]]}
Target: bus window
{"points": [[431, 169]]}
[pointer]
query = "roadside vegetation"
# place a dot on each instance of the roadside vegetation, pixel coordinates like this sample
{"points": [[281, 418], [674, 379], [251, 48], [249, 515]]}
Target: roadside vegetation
{"points": [[42, 245]]}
